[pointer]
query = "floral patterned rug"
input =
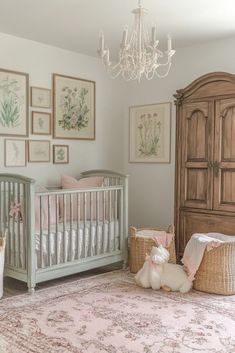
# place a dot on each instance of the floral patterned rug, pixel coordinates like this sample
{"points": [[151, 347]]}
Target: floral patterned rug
{"points": [[108, 313]]}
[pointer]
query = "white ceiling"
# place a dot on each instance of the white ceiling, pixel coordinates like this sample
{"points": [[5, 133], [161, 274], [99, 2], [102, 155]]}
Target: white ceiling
{"points": [[75, 24]]}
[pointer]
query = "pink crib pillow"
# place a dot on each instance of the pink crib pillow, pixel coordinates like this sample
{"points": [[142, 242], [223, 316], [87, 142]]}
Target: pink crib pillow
{"points": [[68, 182], [45, 221]]}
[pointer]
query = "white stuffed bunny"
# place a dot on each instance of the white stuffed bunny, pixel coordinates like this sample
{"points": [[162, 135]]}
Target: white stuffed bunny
{"points": [[157, 272]]}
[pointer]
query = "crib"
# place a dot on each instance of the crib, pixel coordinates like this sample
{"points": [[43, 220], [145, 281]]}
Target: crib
{"points": [[78, 230]]}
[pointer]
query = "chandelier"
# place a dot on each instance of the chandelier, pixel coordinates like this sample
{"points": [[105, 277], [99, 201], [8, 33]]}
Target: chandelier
{"points": [[139, 54]]}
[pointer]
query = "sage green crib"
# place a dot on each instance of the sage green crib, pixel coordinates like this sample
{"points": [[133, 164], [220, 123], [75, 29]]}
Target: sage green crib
{"points": [[84, 228]]}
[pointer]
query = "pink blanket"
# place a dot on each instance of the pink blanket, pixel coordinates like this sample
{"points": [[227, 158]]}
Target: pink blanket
{"points": [[196, 247], [159, 236]]}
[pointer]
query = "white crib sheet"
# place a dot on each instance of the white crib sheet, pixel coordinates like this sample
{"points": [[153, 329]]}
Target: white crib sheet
{"points": [[69, 245]]}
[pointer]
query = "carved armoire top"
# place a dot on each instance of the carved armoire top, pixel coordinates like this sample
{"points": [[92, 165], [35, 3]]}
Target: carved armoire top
{"points": [[207, 86]]}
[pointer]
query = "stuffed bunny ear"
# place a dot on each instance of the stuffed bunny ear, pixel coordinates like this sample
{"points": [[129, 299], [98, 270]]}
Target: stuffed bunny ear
{"points": [[164, 253]]}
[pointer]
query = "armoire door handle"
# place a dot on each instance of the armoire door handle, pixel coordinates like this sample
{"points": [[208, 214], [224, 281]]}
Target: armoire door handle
{"points": [[210, 164]]}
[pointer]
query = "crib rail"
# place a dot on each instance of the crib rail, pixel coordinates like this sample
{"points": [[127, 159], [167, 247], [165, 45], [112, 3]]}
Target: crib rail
{"points": [[77, 224]]}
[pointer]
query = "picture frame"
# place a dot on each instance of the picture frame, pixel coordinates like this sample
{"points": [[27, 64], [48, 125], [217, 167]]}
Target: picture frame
{"points": [[40, 97], [150, 133], [60, 154], [14, 103], [15, 153], [73, 108], [41, 123], [39, 151]]}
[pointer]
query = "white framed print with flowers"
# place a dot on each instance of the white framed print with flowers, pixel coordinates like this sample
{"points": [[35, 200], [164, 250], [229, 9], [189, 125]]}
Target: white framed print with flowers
{"points": [[150, 130], [73, 108]]}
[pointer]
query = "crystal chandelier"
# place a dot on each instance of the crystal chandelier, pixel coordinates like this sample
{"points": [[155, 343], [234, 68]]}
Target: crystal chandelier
{"points": [[139, 54]]}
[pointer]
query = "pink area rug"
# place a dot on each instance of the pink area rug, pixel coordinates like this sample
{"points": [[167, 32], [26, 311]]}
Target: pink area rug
{"points": [[110, 314]]}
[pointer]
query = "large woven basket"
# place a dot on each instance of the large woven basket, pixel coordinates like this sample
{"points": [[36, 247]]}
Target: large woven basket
{"points": [[140, 246], [216, 273]]}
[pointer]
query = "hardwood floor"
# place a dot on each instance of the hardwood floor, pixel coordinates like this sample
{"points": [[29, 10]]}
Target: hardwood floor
{"points": [[14, 287]]}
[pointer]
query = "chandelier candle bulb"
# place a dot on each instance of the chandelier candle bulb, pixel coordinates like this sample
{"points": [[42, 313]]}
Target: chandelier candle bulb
{"points": [[101, 45], [107, 57], [169, 44], [124, 38], [153, 34]]}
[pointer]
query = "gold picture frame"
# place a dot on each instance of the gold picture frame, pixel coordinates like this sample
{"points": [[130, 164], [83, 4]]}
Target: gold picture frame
{"points": [[41, 123], [14, 103], [150, 133], [73, 108], [60, 154]]}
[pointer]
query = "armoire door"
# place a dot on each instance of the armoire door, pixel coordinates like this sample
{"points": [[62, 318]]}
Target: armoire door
{"points": [[196, 166], [224, 155]]}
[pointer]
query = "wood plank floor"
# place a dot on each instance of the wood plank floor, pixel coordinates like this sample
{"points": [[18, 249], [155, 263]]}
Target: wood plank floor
{"points": [[14, 287]]}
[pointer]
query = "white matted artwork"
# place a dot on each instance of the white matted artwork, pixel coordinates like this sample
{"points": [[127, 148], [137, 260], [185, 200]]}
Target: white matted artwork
{"points": [[60, 154], [74, 108], [40, 97], [150, 129], [38, 151], [13, 103], [41, 123], [15, 153]]}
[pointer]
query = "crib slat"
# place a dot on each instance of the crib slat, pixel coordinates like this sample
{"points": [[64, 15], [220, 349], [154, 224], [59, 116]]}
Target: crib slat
{"points": [[8, 223], [41, 234], [49, 231], [97, 221], [19, 235], [15, 253], [56, 229], [109, 219], [115, 216], [71, 227], [78, 226], [91, 218], [84, 228], [104, 243], [64, 228]]}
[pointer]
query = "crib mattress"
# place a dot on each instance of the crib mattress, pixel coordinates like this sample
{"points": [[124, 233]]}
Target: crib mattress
{"points": [[70, 244]]}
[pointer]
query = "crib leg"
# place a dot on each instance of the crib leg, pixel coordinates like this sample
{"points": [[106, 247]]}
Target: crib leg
{"points": [[31, 290], [125, 265], [31, 283]]}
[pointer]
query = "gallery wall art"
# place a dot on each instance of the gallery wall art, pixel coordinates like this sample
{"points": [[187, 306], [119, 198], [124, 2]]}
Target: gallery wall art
{"points": [[13, 103], [38, 151], [41, 123], [150, 133], [15, 153], [40, 97], [60, 154], [73, 108]]}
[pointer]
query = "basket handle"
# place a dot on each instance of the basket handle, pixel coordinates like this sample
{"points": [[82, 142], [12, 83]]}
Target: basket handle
{"points": [[171, 229], [133, 231]]}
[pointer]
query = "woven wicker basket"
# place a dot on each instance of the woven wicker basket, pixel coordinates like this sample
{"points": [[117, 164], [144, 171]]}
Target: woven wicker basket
{"points": [[216, 273], [140, 246]]}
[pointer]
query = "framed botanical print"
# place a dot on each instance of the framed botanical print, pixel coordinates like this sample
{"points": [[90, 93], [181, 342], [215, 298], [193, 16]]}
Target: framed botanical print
{"points": [[150, 129], [40, 97], [60, 154], [41, 123], [74, 108], [38, 151], [15, 153], [14, 88]]}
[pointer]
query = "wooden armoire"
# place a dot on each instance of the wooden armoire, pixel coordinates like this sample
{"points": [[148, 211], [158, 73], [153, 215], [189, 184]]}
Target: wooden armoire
{"points": [[205, 157]]}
